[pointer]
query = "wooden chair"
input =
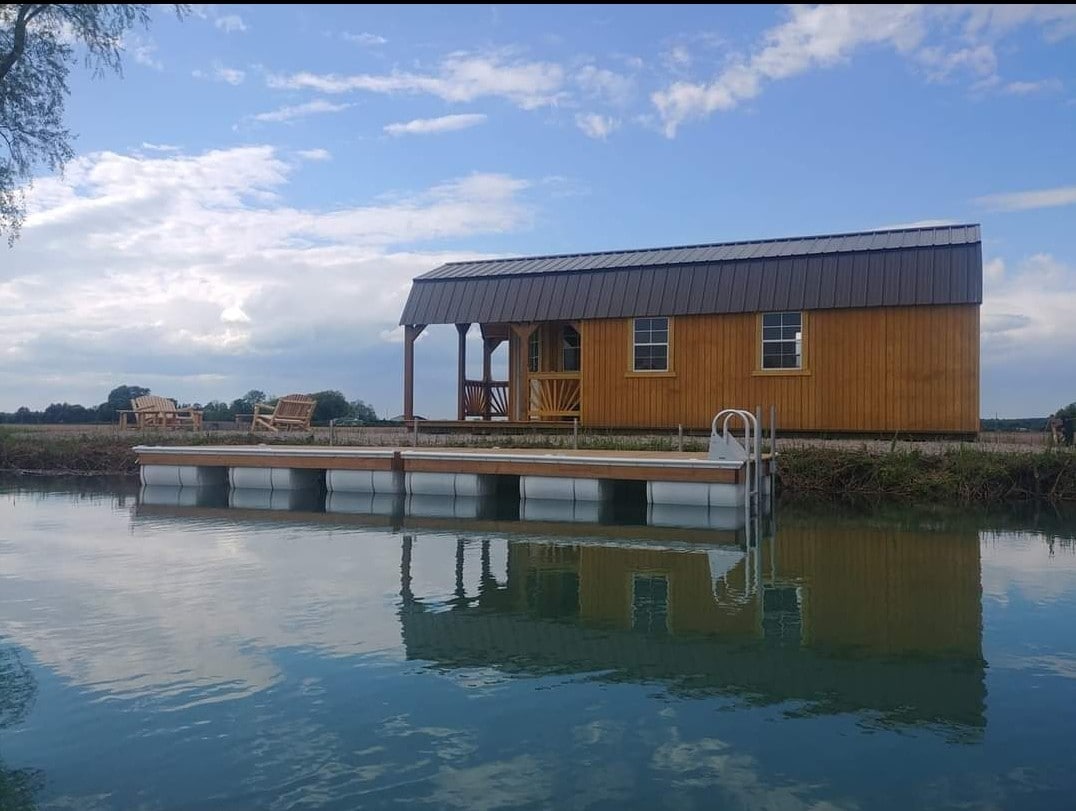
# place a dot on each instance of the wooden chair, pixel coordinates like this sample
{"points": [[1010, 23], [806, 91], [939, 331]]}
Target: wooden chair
{"points": [[151, 411], [293, 412]]}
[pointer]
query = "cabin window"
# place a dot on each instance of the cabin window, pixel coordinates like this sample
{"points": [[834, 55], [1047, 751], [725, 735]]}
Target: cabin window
{"points": [[651, 345], [570, 350], [534, 352], [782, 341]]}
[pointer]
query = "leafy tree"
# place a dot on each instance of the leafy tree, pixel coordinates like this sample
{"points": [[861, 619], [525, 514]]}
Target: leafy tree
{"points": [[246, 403], [37, 49], [1068, 425], [362, 411], [217, 411], [68, 414], [331, 405], [118, 399]]}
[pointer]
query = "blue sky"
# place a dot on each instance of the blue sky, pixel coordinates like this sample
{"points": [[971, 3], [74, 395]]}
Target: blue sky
{"points": [[251, 200]]}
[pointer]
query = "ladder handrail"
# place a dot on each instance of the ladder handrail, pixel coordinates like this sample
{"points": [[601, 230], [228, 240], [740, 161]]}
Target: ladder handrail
{"points": [[750, 430]]}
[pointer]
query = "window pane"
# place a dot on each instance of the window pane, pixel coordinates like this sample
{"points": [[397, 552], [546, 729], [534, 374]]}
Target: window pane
{"points": [[659, 337], [533, 352], [660, 358], [771, 320], [771, 333], [790, 333], [642, 358]]}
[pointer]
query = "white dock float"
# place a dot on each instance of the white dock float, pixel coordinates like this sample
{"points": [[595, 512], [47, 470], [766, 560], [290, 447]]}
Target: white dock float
{"points": [[675, 479], [183, 476]]}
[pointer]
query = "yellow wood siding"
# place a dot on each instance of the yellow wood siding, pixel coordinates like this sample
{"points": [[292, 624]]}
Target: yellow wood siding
{"points": [[877, 369]]}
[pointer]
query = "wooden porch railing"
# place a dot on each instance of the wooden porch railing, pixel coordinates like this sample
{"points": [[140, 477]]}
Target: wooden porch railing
{"points": [[478, 403], [554, 394]]}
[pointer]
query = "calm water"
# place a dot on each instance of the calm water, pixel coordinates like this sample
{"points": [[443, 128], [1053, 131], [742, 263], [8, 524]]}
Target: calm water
{"points": [[207, 657]]}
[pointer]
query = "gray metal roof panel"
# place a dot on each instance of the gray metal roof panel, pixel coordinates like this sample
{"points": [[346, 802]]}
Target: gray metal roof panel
{"points": [[898, 268], [753, 249]]}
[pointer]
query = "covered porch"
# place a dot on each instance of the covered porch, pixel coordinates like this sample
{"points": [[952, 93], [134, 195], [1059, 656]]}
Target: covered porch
{"points": [[543, 372]]}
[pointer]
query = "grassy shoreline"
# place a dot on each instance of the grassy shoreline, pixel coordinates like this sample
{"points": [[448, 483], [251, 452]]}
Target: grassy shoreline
{"points": [[964, 474]]}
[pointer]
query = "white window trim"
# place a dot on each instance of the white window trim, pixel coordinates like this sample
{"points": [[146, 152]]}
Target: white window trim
{"points": [[764, 340], [667, 343]]}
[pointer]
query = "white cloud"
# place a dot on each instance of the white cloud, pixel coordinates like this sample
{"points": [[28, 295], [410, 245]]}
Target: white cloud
{"points": [[144, 52], [159, 147], [1051, 85], [296, 111], [222, 73], [678, 56], [896, 226], [317, 154], [230, 23], [821, 36], [596, 126], [605, 85], [192, 268], [365, 38], [1027, 311], [994, 270], [234, 315], [431, 126], [461, 78], [1025, 200]]}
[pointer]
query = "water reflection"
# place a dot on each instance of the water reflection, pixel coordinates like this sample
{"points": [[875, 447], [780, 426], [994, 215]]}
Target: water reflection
{"points": [[224, 653], [17, 692], [844, 621], [838, 618]]}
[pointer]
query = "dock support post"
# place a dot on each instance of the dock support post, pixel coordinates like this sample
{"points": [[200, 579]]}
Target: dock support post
{"points": [[411, 332], [461, 410], [575, 433], [680, 437]]}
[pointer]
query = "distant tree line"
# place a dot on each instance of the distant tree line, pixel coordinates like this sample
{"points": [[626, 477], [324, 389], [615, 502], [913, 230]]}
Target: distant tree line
{"points": [[331, 405], [1028, 423]]}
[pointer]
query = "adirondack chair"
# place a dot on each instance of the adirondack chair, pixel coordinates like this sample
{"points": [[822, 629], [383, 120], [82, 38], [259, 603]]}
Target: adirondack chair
{"points": [[292, 412], [151, 411]]}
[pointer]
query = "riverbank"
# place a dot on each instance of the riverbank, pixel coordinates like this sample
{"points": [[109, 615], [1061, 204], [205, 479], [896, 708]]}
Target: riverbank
{"points": [[968, 473]]}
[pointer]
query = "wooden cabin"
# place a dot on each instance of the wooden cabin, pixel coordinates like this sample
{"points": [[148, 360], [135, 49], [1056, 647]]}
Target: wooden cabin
{"points": [[868, 332]]}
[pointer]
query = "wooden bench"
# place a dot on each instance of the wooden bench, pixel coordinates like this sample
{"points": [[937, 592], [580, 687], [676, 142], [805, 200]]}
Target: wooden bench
{"points": [[293, 412], [151, 411]]}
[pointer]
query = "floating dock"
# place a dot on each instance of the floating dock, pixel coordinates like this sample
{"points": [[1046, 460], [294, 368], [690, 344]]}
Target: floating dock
{"points": [[668, 478]]}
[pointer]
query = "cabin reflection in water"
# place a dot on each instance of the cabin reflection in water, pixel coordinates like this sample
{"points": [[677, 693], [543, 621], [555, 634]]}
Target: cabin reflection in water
{"points": [[876, 621]]}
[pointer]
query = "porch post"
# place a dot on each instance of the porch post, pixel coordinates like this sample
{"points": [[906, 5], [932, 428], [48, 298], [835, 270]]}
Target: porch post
{"points": [[411, 332], [461, 411], [521, 383], [488, 345]]}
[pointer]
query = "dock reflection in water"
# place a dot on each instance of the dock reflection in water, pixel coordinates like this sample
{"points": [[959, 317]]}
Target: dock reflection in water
{"points": [[838, 618]]}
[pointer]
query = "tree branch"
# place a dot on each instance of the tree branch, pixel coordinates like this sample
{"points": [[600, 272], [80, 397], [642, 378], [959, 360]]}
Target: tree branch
{"points": [[23, 18]]}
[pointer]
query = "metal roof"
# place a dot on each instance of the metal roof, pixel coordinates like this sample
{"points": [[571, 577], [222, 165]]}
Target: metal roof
{"points": [[909, 266]]}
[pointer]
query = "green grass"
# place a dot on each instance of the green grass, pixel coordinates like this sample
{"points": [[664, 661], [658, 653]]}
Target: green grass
{"points": [[960, 475]]}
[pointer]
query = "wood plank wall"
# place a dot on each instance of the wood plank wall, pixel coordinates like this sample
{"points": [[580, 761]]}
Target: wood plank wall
{"points": [[889, 369]]}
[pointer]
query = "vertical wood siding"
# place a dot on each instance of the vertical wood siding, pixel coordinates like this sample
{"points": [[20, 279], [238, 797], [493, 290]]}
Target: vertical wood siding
{"points": [[873, 369]]}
